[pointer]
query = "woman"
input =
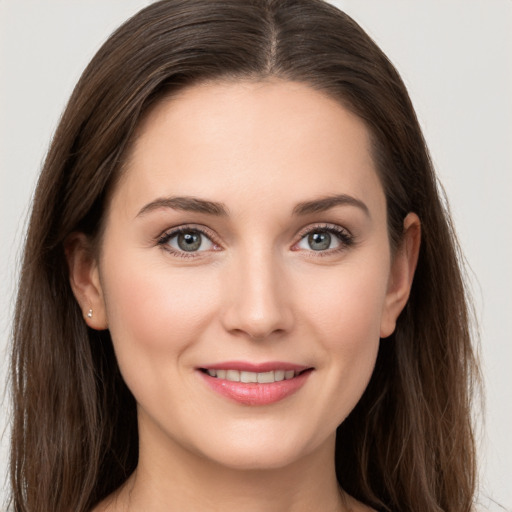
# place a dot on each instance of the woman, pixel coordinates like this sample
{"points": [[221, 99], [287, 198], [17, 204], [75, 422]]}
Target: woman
{"points": [[224, 299]]}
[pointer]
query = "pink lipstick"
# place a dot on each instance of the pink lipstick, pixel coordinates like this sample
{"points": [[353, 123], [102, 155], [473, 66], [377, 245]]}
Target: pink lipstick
{"points": [[255, 384]]}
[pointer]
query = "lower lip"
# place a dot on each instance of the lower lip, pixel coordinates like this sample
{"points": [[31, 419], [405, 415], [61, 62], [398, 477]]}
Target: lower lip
{"points": [[254, 393]]}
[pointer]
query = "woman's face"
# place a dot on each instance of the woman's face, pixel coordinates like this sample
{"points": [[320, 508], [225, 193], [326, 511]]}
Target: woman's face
{"points": [[247, 240]]}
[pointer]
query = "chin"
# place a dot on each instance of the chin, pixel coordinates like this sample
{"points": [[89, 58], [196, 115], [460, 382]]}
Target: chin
{"points": [[253, 453], [257, 460]]}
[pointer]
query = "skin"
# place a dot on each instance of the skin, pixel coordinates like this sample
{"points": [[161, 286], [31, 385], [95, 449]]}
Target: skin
{"points": [[257, 292]]}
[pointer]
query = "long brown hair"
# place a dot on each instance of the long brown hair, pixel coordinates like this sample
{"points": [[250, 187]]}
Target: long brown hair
{"points": [[408, 444]]}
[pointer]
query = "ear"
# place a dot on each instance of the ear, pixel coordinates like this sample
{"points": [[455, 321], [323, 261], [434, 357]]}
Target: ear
{"points": [[403, 267], [85, 280]]}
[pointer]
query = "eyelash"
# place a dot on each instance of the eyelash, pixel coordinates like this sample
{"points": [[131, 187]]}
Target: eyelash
{"points": [[168, 235], [344, 236]]}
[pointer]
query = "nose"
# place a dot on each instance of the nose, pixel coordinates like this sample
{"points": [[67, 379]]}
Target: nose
{"points": [[257, 303]]}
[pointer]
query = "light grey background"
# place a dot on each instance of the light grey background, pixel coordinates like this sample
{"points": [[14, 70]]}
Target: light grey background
{"points": [[456, 59]]}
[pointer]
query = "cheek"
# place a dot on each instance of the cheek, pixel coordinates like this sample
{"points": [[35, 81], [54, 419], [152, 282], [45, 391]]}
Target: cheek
{"points": [[345, 316], [155, 309], [347, 303]]}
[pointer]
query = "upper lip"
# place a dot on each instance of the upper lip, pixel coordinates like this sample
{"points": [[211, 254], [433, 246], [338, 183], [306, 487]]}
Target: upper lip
{"points": [[245, 366]]}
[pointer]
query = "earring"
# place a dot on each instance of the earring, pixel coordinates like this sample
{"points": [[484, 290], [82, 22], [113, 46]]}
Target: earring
{"points": [[89, 313]]}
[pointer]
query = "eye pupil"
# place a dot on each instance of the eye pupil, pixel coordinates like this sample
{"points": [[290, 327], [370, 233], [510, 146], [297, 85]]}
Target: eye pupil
{"points": [[189, 241], [319, 241]]}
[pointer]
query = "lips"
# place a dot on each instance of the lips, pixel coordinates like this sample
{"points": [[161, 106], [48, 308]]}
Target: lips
{"points": [[255, 384], [259, 377]]}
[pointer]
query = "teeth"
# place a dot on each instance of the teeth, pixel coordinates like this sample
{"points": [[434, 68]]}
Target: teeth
{"points": [[253, 377], [266, 377], [233, 375], [279, 375], [248, 377]]}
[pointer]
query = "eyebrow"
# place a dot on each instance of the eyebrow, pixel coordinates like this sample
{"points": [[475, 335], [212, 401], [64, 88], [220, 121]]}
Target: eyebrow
{"points": [[194, 204], [326, 203], [188, 204]]}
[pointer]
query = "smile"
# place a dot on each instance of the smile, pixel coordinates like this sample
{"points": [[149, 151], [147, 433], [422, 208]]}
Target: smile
{"points": [[255, 385], [254, 377]]}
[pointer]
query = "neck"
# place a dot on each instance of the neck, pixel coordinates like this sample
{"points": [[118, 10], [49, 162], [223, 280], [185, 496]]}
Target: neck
{"points": [[177, 479]]}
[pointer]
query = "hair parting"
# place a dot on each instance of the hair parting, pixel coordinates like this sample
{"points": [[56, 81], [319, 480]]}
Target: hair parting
{"points": [[408, 444]]}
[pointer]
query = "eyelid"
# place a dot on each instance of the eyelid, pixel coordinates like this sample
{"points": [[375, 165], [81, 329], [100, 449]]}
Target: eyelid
{"points": [[170, 233], [325, 226], [346, 238], [344, 235]]}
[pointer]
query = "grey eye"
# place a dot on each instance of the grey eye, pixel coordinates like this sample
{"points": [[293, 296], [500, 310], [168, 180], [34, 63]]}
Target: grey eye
{"points": [[190, 241], [319, 241]]}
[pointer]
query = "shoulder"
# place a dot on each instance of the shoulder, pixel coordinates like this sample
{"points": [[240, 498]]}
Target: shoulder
{"points": [[354, 505]]}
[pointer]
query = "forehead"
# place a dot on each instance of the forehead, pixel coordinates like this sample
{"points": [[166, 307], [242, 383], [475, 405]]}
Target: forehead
{"points": [[248, 140]]}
